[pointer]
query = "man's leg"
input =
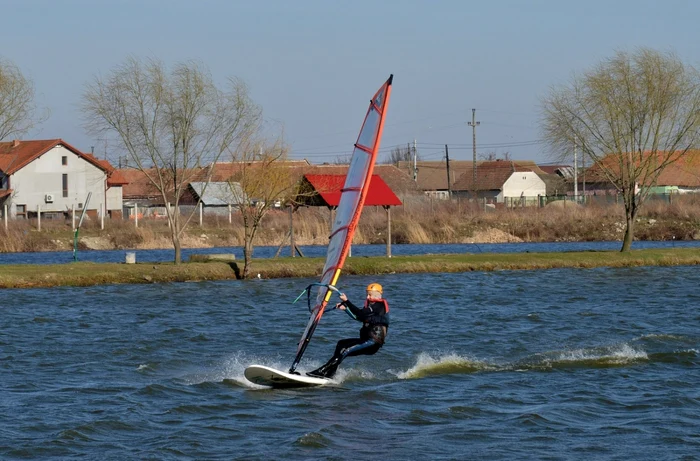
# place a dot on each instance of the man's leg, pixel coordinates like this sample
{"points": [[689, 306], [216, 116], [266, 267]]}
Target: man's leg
{"points": [[345, 348]]}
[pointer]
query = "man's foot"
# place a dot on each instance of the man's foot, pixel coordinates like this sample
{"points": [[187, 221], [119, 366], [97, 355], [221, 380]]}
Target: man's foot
{"points": [[328, 370], [316, 374]]}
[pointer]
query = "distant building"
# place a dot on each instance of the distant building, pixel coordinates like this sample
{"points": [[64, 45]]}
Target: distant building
{"points": [[504, 181], [431, 177], [680, 177], [55, 177]]}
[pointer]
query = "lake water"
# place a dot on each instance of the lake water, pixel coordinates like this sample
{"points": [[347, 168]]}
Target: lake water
{"points": [[103, 256], [557, 364]]}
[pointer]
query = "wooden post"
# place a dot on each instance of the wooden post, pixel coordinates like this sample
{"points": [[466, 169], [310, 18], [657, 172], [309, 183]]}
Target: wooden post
{"points": [[330, 222], [136, 214], [201, 210], [102, 216], [388, 231], [72, 222], [38, 217], [168, 212], [291, 231], [229, 214], [5, 215]]}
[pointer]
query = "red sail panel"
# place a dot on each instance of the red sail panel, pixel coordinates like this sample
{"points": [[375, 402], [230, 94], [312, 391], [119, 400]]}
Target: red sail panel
{"points": [[351, 202]]}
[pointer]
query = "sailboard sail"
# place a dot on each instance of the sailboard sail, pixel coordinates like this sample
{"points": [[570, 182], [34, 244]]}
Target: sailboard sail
{"points": [[347, 216]]}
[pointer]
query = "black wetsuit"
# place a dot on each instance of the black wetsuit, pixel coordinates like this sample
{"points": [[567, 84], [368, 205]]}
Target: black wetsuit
{"points": [[375, 324]]}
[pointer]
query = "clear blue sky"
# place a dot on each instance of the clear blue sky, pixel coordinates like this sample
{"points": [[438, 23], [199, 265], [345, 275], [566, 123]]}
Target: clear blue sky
{"points": [[313, 65]]}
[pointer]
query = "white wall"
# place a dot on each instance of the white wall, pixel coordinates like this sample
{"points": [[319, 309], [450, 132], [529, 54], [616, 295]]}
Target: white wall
{"points": [[523, 184], [114, 198], [44, 176]]}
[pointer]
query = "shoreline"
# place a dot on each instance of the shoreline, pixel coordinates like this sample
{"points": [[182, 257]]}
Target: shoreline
{"points": [[90, 274]]}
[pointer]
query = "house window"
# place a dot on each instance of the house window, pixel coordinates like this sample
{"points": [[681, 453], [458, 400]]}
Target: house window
{"points": [[22, 211], [64, 160], [65, 185]]}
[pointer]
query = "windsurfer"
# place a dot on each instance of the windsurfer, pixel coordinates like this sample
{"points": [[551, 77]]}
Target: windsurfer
{"points": [[375, 323]]}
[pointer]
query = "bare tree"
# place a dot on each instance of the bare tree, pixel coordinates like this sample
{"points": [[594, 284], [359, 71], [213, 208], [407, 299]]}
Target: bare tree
{"points": [[261, 180], [402, 154], [171, 124], [493, 156], [17, 108], [343, 159], [632, 115]]}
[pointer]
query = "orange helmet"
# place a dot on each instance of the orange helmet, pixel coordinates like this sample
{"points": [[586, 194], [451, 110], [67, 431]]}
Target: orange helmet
{"points": [[375, 287]]}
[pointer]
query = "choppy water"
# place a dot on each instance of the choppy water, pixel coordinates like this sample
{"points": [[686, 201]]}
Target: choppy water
{"points": [[557, 364]]}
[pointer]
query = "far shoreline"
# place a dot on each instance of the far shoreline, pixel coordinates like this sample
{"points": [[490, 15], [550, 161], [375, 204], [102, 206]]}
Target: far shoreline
{"points": [[90, 274]]}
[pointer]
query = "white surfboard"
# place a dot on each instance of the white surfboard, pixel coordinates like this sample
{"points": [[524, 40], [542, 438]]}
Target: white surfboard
{"points": [[266, 376]]}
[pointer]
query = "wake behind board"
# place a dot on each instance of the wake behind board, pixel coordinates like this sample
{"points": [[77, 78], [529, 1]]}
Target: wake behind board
{"points": [[266, 376]]}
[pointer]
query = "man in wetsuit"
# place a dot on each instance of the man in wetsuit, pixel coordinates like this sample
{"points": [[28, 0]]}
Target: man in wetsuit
{"points": [[375, 323]]}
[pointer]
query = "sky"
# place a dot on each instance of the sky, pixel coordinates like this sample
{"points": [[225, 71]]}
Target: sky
{"points": [[314, 65]]}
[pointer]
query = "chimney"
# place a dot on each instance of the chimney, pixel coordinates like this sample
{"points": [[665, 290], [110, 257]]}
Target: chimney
{"points": [[15, 143]]}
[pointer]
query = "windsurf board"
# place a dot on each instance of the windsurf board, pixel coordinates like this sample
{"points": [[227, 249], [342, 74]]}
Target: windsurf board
{"points": [[266, 376]]}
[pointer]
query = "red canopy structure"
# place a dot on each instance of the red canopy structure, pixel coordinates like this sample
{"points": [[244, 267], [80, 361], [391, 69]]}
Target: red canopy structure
{"points": [[325, 189], [328, 186]]}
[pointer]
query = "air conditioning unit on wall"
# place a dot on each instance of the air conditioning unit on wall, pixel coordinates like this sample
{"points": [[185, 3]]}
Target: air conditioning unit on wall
{"points": [[49, 198]]}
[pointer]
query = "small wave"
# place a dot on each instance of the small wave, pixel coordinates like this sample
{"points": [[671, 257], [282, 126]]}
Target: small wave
{"points": [[73, 435], [148, 368], [43, 320], [199, 338], [683, 357], [598, 357], [426, 365], [312, 440], [663, 337]]}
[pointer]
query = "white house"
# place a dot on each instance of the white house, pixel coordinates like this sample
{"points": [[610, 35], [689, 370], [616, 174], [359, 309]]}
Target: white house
{"points": [[504, 181], [53, 176], [525, 185]]}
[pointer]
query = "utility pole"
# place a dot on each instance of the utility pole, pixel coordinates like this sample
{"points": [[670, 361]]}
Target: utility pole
{"points": [[415, 162], [474, 124], [575, 175], [583, 172], [449, 183]]}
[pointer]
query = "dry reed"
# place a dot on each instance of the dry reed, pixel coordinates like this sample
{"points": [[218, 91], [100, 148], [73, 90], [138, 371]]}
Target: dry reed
{"points": [[418, 221]]}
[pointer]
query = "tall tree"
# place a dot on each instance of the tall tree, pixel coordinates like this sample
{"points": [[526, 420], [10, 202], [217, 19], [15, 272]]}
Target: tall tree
{"points": [[261, 179], [632, 115], [17, 108], [171, 124]]}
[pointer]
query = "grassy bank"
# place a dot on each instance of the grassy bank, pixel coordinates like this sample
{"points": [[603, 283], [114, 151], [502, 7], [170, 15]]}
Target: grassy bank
{"points": [[86, 274]]}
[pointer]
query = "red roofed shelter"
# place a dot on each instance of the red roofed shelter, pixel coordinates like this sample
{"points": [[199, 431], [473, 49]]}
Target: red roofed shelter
{"points": [[325, 190]]}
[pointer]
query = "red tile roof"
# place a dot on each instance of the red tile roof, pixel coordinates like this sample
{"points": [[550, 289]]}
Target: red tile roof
{"points": [[492, 175], [685, 172], [329, 186], [433, 175], [15, 155], [114, 176]]}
